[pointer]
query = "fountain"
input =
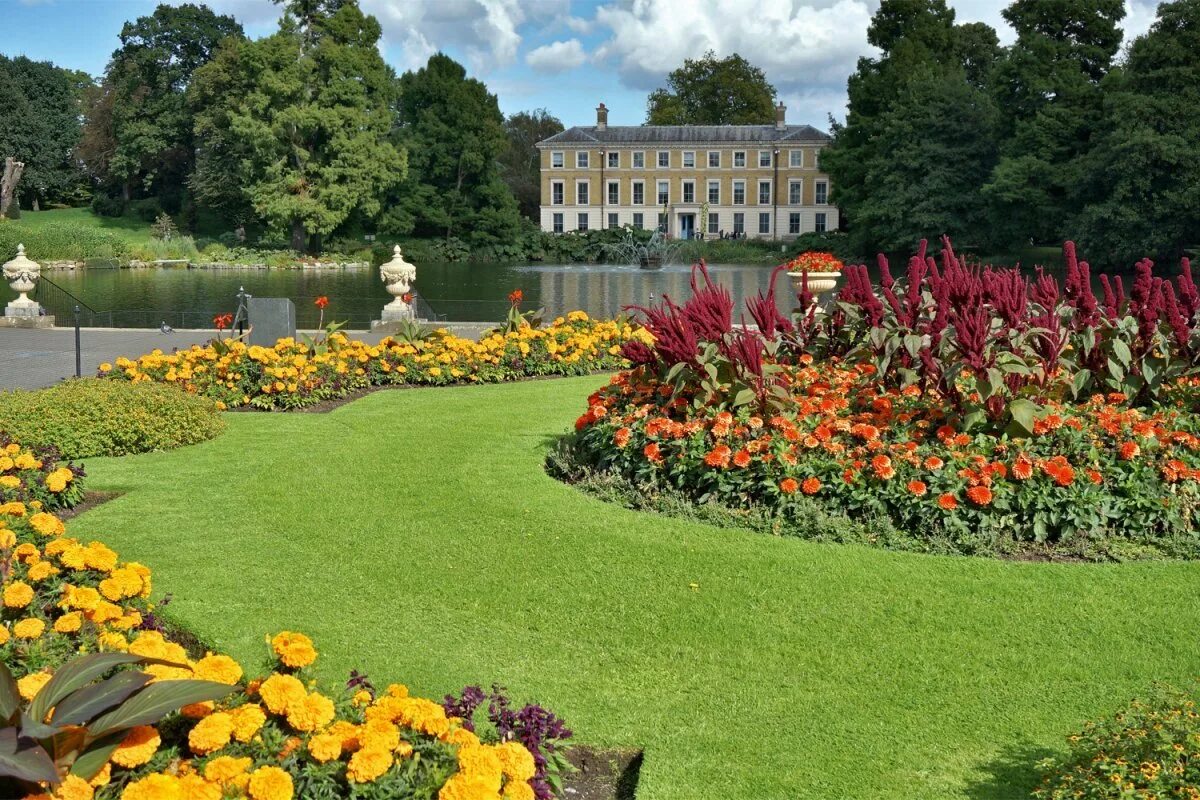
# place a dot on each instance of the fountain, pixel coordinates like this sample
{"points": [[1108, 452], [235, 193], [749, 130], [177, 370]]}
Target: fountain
{"points": [[651, 254]]}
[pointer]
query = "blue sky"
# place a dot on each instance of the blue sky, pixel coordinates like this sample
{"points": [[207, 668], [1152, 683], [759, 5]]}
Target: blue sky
{"points": [[562, 55]]}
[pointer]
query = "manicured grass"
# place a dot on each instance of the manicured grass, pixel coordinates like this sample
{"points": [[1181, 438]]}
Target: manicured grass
{"points": [[132, 229], [415, 535]]}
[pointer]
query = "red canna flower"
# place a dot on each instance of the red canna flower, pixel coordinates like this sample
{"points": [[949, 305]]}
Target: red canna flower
{"points": [[321, 302], [406, 298], [516, 296]]}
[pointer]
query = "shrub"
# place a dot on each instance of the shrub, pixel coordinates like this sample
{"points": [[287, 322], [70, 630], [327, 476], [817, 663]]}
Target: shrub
{"points": [[37, 474], [1146, 750], [90, 417], [104, 205], [57, 240], [147, 209]]}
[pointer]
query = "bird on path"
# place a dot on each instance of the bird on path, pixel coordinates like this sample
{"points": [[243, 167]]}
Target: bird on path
{"points": [[165, 328]]}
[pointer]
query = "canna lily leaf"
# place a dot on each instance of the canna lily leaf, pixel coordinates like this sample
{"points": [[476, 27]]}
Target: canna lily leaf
{"points": [[92, 760], [24, 759], [90, 701], [156, 701], [79, 673], [10, 696]]}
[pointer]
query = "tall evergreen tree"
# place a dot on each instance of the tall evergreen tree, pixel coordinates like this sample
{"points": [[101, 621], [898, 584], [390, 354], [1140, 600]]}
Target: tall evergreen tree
{"points": [[295, 127], [1048, 87], [454, 133], [1142, 179], [520, 163]]}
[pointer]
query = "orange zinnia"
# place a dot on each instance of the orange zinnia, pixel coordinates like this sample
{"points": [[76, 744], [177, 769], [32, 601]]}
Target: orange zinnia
{"points": [[741, 458], [621, 437], [1128, 451], [788, 486], [718, 457], [980, 495], [918, 488], [652, 452], [811, 486], [933, 462], [1022, 468], [947, 502]]}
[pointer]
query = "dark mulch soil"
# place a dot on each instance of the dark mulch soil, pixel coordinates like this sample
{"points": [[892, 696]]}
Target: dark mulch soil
{"points": [[603, 774], [90, 501]]}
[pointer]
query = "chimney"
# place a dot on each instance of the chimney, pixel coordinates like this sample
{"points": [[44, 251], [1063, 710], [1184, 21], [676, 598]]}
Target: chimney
{"points": [[601, 118], [780, 116]]}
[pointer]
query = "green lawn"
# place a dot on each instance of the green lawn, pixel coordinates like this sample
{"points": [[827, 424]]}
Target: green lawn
{"points": [[132, 229], [415, 535]]}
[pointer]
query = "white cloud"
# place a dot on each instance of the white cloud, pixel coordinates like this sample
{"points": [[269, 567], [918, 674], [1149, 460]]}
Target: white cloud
{"points": [[556, 56], [578, 24]]}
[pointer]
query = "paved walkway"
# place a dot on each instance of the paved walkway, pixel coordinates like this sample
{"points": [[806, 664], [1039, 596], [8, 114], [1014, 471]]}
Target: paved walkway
{"points": [[33, 358]]}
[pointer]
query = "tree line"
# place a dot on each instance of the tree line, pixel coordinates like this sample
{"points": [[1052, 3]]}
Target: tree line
{"points": [[306, 132]]}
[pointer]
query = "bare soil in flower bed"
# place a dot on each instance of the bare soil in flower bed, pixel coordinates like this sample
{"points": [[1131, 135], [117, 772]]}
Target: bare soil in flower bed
{"points": [[90, 501], [603, 774]]}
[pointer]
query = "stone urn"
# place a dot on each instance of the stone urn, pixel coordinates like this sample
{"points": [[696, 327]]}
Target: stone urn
{"points": [[22, 275], [818, 282], [398, 276]]}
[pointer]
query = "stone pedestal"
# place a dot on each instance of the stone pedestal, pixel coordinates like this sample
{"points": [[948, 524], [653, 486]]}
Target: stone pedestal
{"points": [[22, 275], [27, 322], [397, 311]]}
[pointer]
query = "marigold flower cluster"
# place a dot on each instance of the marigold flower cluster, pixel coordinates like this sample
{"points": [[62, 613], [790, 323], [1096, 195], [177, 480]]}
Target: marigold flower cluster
{"points": [[1094, 475], [37, 473], [269, 739], [293, 374]]}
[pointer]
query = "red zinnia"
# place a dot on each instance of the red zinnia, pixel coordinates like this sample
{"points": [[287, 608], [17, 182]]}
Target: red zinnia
{"points": [[788, 486], [811, 486], [321, 301], [980, 495], [947, 502], [918, 488]]}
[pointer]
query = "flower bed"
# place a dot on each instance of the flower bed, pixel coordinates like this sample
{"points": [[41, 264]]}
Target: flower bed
{"points": [[37, 473], [972, 407], [295, 374], [270, 738]]}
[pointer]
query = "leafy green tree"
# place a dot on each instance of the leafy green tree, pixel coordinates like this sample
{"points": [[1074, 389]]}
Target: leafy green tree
{"points": [[1141, 180], [296, 127], [713, 91], [520, 163], [141, 136], [40, 126], [455, 135], [926, 64], [1048, 85]]}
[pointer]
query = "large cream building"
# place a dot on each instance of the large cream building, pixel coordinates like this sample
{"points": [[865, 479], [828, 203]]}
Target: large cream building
{"points": [[758, 180]]}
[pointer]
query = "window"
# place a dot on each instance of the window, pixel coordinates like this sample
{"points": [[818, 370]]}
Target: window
{"points": [[714, 158], [614, 160], [764, 193], [822, 193], [794, 222], [581, 159], [795, 192], [819, 227], [664, 192], [764, 158], [639, 160], [739, 158], [764, 223], [689, 158], [664, 158], [612, 221], [582, 223], [558, 223], [714, 191], [714, 222], [739, 223], [689, 191], [795, 158], [639, 220], [639, 193], [739, 193], [614, 193], [556, 193], [556, 159], [581, 193]]}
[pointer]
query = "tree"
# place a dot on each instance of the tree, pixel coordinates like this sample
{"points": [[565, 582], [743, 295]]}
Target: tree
{"points": [[141, 135], [713, 91], [296, 126], [1140, 181], [922, 53], [454, 133], [40, 126], [520, 163], [1048, 85]]}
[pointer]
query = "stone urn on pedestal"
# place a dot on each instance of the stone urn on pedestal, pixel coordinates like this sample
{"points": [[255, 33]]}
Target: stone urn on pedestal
{"points": [[22, 276], [398, 277], [824, 271]]}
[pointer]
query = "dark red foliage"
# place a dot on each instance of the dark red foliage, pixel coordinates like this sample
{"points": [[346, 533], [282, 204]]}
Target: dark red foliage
{"points": [[765, 311]]}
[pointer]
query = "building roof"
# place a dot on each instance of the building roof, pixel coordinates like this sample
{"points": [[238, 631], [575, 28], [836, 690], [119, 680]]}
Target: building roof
{"points": [[685, 134]]}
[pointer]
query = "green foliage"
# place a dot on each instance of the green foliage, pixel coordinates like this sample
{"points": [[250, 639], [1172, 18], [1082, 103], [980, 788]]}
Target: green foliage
{"points": [[713, 91], [91, 417], [60, 241], [296, 125], [76, 721], [520, 162], [1145, 750]]}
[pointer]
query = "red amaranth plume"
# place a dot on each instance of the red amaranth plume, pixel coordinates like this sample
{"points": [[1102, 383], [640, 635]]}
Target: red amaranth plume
{"points": [[710, 308], [676, 341], [885, 274], [971, 328], [1007, 291], [765, 311], [1180, 327], [1188, 295], [858, 291], [1078, 289]]}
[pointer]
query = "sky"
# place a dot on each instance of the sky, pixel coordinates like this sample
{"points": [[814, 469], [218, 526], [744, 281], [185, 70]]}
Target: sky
{"points": [[566, 56]]}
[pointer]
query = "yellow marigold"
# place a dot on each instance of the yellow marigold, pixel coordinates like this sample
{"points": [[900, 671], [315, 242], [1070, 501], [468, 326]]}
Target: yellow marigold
{"points": [[31, 684], [211, 733], [68, 623], [460, 736], [518, 790], [18, 595], [270, 783], [361, 698], [102, 777], [154, 787], [347, 732], [4, 635], [195, 787], [83, 598], [368, 764], [516, 760], [152, 645], [219, 668], [278, 691], [41, 570], [30, 628], [99, 557], [378, 734], [247, 720], [112, 642], [74, 787], [8, 539], [325, 747], [466, 787], [423, 715], [138, 747], [482, 761], [47, 524], [228, 770], [294, 650], [315, 711]]}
